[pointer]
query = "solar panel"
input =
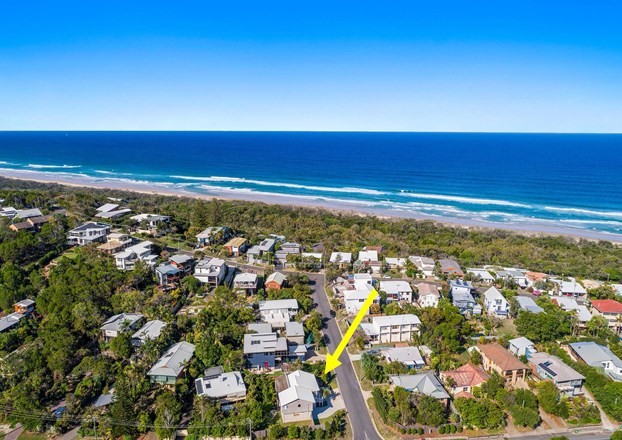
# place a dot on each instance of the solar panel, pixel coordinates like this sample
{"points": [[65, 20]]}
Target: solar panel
{"points": [[545, 367], [199, 386]]}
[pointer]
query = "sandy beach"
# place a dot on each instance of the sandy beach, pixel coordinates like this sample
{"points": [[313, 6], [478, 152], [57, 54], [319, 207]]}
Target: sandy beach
{"points": [[81, 180]]}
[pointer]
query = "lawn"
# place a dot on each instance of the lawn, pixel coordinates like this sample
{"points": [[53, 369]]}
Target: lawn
{"points": [[32, 436]]}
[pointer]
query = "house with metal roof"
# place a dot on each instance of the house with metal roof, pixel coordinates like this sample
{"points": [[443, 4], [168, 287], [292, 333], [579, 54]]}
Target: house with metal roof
{"points": [[295, 332], [397, 290], [276, 281], [482, 274], [264, 350], [299, 394], [598, 356], [28, 213], [547, 367], [569, 304], [422, 383], [392, 328], [121, 323], [246, 282], [236, 246], [425, 264], [522, 347], [10, 321], [167, 274], [87, 233], [409, 356], [213, 235], [495, 303], [211, 271], [465, 303], [150, 331], [226, 388], [278, 312], [172, 364], [342, 259], [527, 304]]}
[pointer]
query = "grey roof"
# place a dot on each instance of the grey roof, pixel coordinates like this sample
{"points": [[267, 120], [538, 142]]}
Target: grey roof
{"points": [[104, 400], [277, 304], [224, 385], [167, 269], [121, 321], [27, 213], [260, 327], [405, 355], [151, 330], [107, 207], [493, 294], [245, 277], [521, 342], [528, 304], [180, 258], [9, 321], [560, 371], [594, 354], [263, 342], [423, 383], [390, 320], [277, 277], [25, 303], [173, 361], [90, 225], [302, 385], [293, 329], [113, 214], [459, 297]]}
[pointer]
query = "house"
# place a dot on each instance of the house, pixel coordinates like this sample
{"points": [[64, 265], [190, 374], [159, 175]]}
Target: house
{"points": [[151, 224], [121, 323], [258, 252], [275, 281], [464, 379], [246, 282], [264, 350], [356, 292], [459, 286], [286, 249], [368, 256], [495, 303], [547, 367], [211, 271], [226, 388], [21, 226], [393, 328], [312, 260], [87, 233], [598, 356], [466, 303], [8, 212], [516, 275], [424, 264], [569, 288], [341, 259], [422, 383], [127, 259], [527, 304], [429, 296], [450, 267], [172, 364], [168, 275], [482, 274], [522, 347], [28, 213], [111, 215], [498, 359], [580, 311], [150, 331], [295, 332], [10, 321], [31, 224], [108, 207], [409, 356], [611, 310], [299, 394], [236, 246], [397, 290], [116, 242], [291, 247], [395, 263], [213, 235], [259, 327], [25, 307], [278, 312], [183, 262]]}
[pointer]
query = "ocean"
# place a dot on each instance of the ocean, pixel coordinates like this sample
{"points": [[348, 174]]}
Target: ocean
{"points": [[548, 182]]}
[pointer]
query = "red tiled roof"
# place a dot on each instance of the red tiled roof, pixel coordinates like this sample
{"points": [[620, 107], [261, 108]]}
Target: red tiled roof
{"points": [[468, 375], [607, 305], [501, 357]]}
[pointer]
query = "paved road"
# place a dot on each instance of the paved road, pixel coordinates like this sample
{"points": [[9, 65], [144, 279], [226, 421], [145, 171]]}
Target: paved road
{"points": [[362, 425]]}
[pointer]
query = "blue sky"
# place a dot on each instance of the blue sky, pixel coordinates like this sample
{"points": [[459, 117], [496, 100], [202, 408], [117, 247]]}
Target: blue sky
{"points": [[522, 66]]}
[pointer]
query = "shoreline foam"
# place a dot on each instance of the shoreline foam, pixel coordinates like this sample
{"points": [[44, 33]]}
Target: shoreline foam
{"points": [[318, 202]]}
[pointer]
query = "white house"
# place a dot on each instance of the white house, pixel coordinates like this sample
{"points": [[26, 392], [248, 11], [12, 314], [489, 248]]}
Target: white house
{"points": [[226, 388], [126, 260], [150, 331], [527, 304], [482, 274], [246, 281], [299, 394], [213, 235], [409, 356], [278, 312], [90, 232], [172, 364], [211, 271], [522, 347], [495, 303], [342, 259], [368, 256], [357, 292], [395, 263], [397, 290], [581, 312], [117, 324], [598, 356], [393, 328], [424, 264], [429, 296]]}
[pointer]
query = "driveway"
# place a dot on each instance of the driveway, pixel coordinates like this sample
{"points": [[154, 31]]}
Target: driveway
{"points": [[360, 418]]}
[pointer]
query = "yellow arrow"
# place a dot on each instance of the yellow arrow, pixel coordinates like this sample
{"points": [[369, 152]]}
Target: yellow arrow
{"points": [[332, 360]]}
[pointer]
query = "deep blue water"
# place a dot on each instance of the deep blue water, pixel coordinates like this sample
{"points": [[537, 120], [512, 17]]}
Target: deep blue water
{"points": [[569, 181]]}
